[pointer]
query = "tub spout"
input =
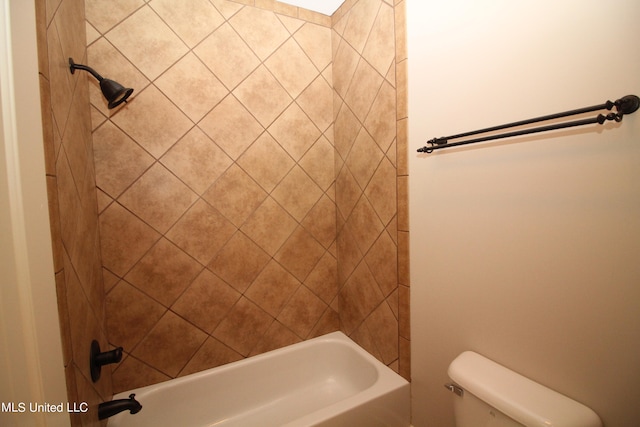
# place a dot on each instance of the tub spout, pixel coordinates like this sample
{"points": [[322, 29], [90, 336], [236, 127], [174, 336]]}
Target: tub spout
{"points": [[109, 409]]}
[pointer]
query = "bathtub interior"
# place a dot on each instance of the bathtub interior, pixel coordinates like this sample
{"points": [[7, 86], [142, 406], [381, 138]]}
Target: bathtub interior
{"points": [[311, 381]]}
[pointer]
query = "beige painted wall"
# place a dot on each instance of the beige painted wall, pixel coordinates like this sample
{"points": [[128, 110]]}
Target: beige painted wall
{"points": [[31, 368], [525, 252]]}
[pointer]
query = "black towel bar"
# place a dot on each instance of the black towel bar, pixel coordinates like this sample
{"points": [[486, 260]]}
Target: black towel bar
{"points": [[625, 105]]}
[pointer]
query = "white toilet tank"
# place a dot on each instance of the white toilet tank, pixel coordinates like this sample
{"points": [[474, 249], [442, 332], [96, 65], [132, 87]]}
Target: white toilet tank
{"points": [[490, 395]]}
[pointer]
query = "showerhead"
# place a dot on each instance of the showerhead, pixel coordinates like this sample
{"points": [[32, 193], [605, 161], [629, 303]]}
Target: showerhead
{"points": [[114, 92]]}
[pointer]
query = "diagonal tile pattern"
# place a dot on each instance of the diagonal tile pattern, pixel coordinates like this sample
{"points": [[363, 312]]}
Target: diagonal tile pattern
{"points": [[248, 189], [217, 184], [365, 114]]}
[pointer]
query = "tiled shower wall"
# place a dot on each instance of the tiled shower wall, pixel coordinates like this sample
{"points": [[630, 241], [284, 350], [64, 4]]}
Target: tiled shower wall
{"points": [[217, 186], [370, 156], [72, 199], [216, 183]]}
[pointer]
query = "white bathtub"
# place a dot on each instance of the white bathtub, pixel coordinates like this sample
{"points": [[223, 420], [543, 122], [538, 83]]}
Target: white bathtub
{"points": [[325, 381]]}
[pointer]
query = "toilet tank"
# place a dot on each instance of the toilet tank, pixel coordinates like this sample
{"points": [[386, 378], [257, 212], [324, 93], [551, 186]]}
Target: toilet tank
{"points": [[490, 395]]}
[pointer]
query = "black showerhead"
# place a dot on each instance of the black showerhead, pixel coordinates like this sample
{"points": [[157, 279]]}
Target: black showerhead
{"points": [[113, 91]]}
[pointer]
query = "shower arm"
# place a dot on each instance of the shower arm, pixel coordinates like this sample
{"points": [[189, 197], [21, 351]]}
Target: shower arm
{"points": [[625, 105], [73, 67]]}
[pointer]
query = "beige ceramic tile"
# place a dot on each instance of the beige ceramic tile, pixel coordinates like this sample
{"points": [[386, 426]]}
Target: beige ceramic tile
{"points": [[133, 373], [316, 101], [272, 288], [402, 148], [391, 74], [69, 21], [97, 118], [364, 158], [297, 193], [346, 128], [291, 66], [302, 312], [192, 87], [105, 15], [404, 311], [381, 191], [290, 21], [380, 48], [294, 131], [196, 160], [110, 280], [263, 96], [119, 161], [192, 20], [315, 17], [201, 232], [403, 258], [345, 62], [260, 29], [300, 253], [212, 353], [259, 227], [360, 96], [144, 32], [403, 203], [153, 121], [401, 31], [51, 6], [350, 256], [185, 340], [243, 328], [54, 223], [404, 366], [382, 260], [358, 298], [92, 33], [206, 302], [158, 198], [124, 239], [401, 100], [318, 163], [321, 221], [361, 19], [347, 192], [315, 40], [239, 61], [236, 195], [364, 224], [164, 272], [385, 325], [323, 279], [231, 127], [226, 8], [68, 203], [277, 336], [329, 322], [239, 262], [381, 121], [130, 315], [266, 162], [61, 81]]}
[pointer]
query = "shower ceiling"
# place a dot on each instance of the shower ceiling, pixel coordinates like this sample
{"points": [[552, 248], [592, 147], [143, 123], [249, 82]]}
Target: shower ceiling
{"points": [[326, 7]]}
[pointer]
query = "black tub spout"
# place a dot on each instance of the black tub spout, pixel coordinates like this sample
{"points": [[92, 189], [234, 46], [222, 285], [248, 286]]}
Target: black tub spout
{"points": [[109, 409]]}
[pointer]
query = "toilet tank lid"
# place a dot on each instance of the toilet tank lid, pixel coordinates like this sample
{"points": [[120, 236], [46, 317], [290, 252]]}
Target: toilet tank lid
{"points": [[518, 397]]}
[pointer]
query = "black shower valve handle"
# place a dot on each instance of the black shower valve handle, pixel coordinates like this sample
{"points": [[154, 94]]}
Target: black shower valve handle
{"points": [[98, 359], [107, 357]]}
